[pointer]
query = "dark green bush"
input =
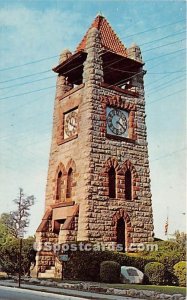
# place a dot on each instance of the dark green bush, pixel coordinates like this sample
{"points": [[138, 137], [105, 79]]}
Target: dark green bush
{"points": [[168, 254], [168, 259], [85, 265], [110, 272], [9, 256], [180, 272], [155, 271]]}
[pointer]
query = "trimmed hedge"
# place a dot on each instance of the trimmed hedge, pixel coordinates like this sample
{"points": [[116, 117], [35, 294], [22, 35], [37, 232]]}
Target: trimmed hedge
{"points": [[155, 272], [85, 265], [180, 272], [168, 254], [110, 272]]}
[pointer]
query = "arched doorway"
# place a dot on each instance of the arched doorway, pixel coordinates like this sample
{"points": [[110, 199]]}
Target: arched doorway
{"points": [[121, 233]]}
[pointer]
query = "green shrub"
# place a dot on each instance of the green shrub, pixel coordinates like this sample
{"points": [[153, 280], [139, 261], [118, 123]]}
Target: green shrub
{"points": [[168, 259], [155, 271], [85, 265], [168, 254], [110, 272], [9, 256], [180, 272]]}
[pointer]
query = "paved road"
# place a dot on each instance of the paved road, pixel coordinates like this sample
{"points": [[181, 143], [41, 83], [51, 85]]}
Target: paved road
{"points": [[8, 293]]}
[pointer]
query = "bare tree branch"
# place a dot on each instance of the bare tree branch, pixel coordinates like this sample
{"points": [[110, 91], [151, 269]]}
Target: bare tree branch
{"points": [[18, 220]]}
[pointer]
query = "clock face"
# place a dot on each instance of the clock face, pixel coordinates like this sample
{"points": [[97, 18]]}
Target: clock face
{"points": [[70, 123], [117, 122]]}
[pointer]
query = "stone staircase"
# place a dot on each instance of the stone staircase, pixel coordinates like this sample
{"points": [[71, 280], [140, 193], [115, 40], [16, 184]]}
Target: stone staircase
{"points": [[49, 273]]}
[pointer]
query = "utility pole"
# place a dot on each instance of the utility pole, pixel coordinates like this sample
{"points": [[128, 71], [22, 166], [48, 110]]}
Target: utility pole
{"points": [[20, 235], [19, 221], [20, 252]]}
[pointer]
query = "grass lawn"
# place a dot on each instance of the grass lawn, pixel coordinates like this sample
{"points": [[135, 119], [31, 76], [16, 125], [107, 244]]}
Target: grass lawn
{"points": [[156, 288], [160, 289]]}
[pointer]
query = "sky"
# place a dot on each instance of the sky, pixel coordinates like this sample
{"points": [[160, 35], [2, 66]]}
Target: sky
{"points": [[32, 36]]}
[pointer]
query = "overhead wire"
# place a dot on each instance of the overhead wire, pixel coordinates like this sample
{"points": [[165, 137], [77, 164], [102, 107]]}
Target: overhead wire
{"points": [[170, 35], [147, 103], [163, 77], [25, 83], [173, 93], [54, 56], [168, 154], [30, 92], [29, 75], [165, 84], [151, 160], [3, 98], [126, 37], [155, 28], [22, 105], [28, 63], [164, 45], [54, 86]]}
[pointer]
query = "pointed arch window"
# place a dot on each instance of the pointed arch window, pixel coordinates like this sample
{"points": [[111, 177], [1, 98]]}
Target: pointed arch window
{"points": [[128, 185], [59, 186], [69, 183], [112, 182], [121, 233]]}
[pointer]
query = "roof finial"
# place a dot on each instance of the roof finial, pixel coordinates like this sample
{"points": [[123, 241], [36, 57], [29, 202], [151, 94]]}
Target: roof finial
{"points": [[100, 14]]}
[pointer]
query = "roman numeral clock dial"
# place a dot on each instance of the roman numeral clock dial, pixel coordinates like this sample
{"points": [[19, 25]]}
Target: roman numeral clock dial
{"points": [[117, 122]]}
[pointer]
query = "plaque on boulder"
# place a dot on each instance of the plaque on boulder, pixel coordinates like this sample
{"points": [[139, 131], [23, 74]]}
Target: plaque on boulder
{"points": [[131, 275]]}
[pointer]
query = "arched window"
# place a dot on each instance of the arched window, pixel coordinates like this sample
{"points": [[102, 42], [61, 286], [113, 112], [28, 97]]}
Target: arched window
{"points": [[121, 233], [69, 183], [59, 186], [112, 182], [128, 185]]}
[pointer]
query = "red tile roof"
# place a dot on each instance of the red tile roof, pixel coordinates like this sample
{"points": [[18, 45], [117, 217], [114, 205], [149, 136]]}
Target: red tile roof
{"points": [[109, 39]]}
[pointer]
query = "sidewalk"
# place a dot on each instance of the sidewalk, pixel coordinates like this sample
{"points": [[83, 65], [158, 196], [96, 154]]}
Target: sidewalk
{"points": [[68, 292]]}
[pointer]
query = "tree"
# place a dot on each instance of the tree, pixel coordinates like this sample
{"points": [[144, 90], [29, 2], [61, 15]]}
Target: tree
{"points": [[16, 254], [180, 239], [4, 232], [9, 256], [17, 221]]}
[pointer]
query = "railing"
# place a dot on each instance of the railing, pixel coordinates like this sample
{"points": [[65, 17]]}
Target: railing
{"points": [[129, 91]]}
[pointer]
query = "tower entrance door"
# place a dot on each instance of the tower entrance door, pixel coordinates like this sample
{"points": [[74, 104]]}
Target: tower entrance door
{"points": [[121, 233]]}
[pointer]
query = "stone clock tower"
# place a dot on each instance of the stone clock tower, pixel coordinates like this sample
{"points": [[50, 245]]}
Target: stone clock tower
{"points": [[98, 184]]}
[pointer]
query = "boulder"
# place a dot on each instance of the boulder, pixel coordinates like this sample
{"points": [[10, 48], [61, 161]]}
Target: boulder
{"points": [[131, 275]]}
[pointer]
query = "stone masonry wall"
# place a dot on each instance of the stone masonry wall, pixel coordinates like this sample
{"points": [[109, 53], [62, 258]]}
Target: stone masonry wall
{"points": [[92, 152], [102, 210]]}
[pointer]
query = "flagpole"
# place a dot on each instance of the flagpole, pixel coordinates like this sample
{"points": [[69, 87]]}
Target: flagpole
{"points": [[167, 223]]}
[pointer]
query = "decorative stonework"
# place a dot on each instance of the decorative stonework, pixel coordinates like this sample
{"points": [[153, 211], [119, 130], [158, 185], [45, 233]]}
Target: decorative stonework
{"points": [[117, 102], [121, 213], [90, 214]]}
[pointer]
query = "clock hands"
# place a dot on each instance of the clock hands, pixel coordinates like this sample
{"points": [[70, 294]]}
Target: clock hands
{"points": [[118, 122], [74, 125]]}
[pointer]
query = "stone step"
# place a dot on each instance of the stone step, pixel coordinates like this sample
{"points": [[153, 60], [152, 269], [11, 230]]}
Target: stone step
{"points": [[46, 275], [49, 273]]}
